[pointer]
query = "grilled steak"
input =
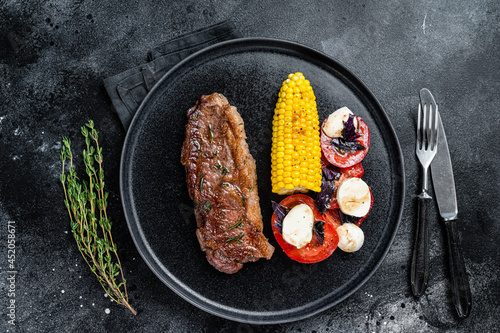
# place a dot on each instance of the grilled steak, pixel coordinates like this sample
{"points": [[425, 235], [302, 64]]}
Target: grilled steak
{"points": [[222, 181]]}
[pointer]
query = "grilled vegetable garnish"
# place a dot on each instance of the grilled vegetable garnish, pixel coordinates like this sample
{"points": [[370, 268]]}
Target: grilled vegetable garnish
{"points": [[296, 152]]}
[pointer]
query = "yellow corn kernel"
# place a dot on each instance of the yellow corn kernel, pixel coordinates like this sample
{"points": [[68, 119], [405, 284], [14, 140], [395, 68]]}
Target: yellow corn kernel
{"points": [[295, 157]]}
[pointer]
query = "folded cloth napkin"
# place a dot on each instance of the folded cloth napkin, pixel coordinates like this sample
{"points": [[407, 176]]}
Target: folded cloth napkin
{"points": [[129, 88]]}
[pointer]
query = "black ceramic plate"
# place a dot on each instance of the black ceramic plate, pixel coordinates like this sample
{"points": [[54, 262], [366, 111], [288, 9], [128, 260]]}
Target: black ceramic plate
{"points": [[159, 212]]}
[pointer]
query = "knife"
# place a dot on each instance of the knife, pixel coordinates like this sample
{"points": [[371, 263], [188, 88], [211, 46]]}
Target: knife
{"points": [[444, 191]]}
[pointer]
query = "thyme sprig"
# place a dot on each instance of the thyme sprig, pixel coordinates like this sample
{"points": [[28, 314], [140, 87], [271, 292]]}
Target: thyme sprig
{"points": [[86, 202]]}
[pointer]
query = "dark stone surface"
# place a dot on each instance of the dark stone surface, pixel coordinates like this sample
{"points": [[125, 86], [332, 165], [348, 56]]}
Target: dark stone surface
{"points": [[54, 56]]}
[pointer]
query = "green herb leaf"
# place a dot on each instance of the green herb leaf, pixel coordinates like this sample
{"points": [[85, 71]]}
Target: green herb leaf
{"points": [[201, 183], [238, 224], [85, 201], [205, 206], [211, 133], [235, 238]]}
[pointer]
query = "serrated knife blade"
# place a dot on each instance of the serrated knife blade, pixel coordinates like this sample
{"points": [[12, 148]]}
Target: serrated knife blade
{"points": [[444, 190]]}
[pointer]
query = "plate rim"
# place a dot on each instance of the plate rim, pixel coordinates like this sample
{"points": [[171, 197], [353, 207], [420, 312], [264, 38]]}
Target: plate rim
{"points": [[142, 245]]}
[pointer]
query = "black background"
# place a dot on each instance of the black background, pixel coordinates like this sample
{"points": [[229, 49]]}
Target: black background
{"points": [[54, 56]]}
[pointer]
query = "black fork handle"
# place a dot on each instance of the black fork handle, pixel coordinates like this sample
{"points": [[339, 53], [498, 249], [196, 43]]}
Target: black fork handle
{"points": [[419, 274], [460, 289]]}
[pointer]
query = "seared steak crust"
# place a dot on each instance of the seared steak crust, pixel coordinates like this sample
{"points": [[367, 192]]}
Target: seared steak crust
{"points": [[222, 181]]}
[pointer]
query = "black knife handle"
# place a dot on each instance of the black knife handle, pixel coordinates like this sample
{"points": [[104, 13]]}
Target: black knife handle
{"points": [[460, 289], [420, 259]]}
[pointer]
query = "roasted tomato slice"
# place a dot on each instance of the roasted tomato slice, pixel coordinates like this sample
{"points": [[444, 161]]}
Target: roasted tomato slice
{"points": [[314, 251], [334, 213], [346, 160], [332, 177], [356, 170]]}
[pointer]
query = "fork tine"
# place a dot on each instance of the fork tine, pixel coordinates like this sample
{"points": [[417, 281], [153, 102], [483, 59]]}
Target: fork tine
{"points": [[425, 129], [419, 136], [431, 128], [435, 127], [432, 117]]}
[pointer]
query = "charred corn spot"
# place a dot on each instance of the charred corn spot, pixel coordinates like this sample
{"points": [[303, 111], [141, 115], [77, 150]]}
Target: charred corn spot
{"points": [[296, 153]]}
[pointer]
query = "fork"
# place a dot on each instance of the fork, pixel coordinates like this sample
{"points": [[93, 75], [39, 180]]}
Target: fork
{"points": [[426, 147]]}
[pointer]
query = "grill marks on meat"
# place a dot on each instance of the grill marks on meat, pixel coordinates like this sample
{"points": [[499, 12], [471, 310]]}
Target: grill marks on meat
{"points": [[222, 181]]}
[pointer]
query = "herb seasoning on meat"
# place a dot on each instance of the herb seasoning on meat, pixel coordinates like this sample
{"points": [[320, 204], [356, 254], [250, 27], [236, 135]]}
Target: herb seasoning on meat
{"points": [[223, 181]]}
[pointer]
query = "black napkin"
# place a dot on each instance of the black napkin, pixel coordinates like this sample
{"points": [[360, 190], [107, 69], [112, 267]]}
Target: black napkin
{"points": [[128, 89]]}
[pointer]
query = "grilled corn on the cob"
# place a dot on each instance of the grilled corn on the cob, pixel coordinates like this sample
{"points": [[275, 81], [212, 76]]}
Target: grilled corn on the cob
{"points": [[296, 152]]}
